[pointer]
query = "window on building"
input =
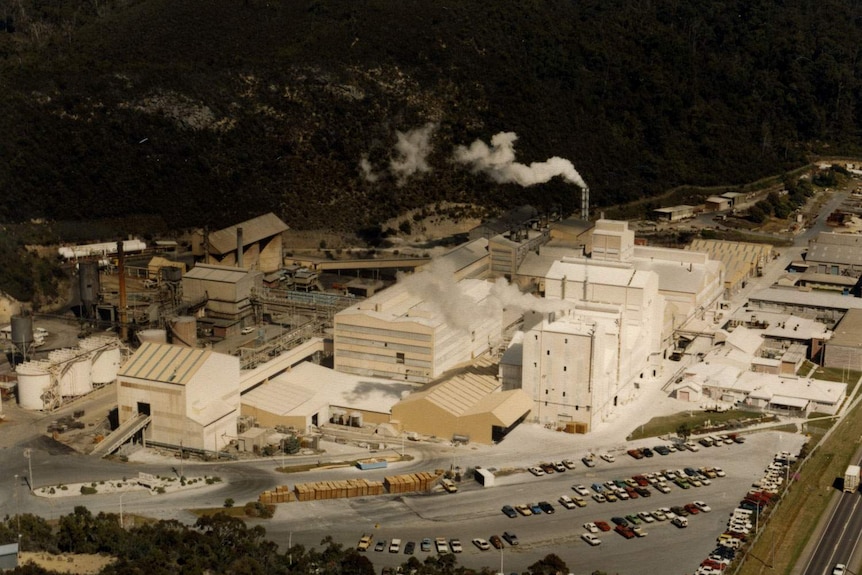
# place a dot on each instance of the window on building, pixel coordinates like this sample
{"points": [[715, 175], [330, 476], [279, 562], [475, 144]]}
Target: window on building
{"points": [[564, 394], [548, 352], [565, 368], [399, 357]]}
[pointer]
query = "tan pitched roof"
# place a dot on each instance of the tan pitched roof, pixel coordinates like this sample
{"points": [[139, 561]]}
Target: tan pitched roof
{"points": [[253, 230], [166, 363]]}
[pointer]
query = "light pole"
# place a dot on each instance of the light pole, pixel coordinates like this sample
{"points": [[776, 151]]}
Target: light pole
{"points": [[501, 561], [122, 525], [30, 466]]}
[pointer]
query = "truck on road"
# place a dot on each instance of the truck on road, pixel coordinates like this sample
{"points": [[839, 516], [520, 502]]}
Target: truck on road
{"points": [[851, 478]]}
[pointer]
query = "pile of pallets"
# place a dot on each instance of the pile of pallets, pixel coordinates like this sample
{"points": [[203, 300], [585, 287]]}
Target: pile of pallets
{"points": [[281, 494], [337, 489], [421, 481]]}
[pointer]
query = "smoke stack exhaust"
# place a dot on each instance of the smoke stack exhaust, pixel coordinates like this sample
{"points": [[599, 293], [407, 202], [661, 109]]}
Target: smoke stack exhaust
{"points": [[121, 272], [239, 247]]}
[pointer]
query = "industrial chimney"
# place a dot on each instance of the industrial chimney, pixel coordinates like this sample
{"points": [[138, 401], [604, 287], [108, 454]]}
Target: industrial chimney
{"points": [[239, 246], [121, 274]]}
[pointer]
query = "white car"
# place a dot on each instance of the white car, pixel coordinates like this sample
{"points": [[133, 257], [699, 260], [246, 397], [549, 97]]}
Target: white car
{"points": [[839, 569], [455, 544], [719, 472], [668, 514], [247, 330], [702, 506], [482, 544], [659, 515], [566, 502], [647, 517], [591, 527], [639, 531], [591, 539], [599, 498], [691, 446], [537, 471], [581, 490], [607, 457], [663, 487]]}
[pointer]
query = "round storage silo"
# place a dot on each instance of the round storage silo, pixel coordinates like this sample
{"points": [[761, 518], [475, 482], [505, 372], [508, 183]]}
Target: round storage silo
{"points": [[88, 282], [22, 331], [34, 379], [105, 356], [184, 331], [153, 336], [73, 370]]}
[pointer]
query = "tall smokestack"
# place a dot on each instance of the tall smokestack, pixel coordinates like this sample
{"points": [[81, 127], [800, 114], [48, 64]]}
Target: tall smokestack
{"points": [[239, 246], [121, 272], [585, 204]]}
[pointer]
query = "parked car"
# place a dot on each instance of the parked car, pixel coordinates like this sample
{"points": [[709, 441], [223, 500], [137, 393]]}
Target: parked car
{"points": [[646, 517], [409, 547], [569, 463], [535, 508], [691, 446], [442, 545], [607, 457], [619, 521], [455, 544], [523, 509], [509, 511], [643, 491], [611, 497], [579, 501], [647, 452], [663, 487], [591, 539], [624, 531], [566, 502], [719, 472], [638, 531], [495, 541], [599, 498], [591, 527], [547, 467], [581, 490], [634, 519], [481, 544], [636, 453], [598, 487], [395, 545], [546, 507], [661, 449], [659, 515], [691, 508], [536, 471], [603, 526], [510, 538], [559, 467], [425, 545], [381, 545], [702, 506]]}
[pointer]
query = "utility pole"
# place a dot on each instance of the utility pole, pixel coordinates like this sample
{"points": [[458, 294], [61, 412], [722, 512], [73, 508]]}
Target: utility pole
{"points": [[30, 466]]}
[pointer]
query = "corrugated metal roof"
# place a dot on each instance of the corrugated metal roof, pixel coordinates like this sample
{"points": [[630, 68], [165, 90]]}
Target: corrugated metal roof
{"points": [[216, 273], [164, 362], [253, 230], [462, 391], [848, 333]]}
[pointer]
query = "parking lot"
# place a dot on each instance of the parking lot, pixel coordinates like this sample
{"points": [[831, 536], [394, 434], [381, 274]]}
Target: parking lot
{"points": [[476, 512]]}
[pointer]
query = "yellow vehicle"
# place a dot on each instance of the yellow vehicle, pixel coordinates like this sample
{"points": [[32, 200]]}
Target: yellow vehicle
{"points": [[365, 542]]}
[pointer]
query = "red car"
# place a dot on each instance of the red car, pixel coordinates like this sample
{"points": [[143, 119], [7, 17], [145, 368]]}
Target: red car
{"points": [[603, 525], [641, 480], [636, 453], [625, 531], [692, 508]]}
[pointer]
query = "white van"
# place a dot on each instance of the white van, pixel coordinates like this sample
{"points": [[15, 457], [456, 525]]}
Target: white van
{"points": [[395, 546]]}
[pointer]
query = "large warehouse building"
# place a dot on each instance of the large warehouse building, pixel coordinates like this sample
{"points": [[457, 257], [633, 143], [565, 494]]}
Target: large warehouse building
{"points": [[190, 395], [417, 329], [468, 406], [255, 244]]}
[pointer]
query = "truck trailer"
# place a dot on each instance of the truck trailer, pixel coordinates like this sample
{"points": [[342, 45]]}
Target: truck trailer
{"points": [[851, 478]]}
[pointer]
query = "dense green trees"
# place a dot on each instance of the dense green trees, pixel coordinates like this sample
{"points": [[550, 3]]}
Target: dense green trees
{"points": [[117, 108]]}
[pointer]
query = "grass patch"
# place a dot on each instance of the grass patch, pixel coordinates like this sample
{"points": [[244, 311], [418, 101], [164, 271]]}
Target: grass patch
{"points": [[803, 505], [819, 421], [848, 376], [668, 424]]}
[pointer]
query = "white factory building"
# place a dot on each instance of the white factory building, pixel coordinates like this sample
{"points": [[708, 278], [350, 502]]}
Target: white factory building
{"points": [[191, 395], [626, 303], [419, 328]]}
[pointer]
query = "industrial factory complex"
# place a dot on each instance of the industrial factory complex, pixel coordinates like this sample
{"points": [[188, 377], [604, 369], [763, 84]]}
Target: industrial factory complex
{"points": [[234, 345]]}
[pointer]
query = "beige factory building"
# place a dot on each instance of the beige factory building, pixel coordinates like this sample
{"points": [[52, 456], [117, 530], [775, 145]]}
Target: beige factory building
{"points": [[418, 329], [469, 406], [260, 240], [227, 290], [310, 395], [191, 395]]}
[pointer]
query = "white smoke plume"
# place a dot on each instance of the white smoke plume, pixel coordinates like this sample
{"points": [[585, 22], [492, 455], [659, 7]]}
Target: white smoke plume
{"points": [[413, 148], [367, 171], [497, 161]]}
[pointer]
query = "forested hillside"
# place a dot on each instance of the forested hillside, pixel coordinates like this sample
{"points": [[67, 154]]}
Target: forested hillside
{"points": [[340, 113]]}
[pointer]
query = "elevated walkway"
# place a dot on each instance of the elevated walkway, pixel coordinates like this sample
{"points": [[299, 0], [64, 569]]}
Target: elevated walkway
{"points": [[120, 435]]}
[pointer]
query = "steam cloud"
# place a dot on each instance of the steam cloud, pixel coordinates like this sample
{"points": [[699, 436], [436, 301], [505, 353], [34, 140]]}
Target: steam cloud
{"points": [[413, 148], [436, 285], [497, 161]]}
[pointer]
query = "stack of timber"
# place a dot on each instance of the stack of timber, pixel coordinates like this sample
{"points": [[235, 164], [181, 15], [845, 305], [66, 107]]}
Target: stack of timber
{"points": [[281, 494], [421, 481]]}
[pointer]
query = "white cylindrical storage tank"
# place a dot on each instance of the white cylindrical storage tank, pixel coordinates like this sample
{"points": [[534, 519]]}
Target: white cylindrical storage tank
{"points": [[34, 379], [184, 330], [105, 356], [153, 336], [73, 369], [355, 419]]}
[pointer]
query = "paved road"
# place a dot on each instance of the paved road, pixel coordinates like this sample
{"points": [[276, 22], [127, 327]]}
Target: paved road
{"points": [[840, 539]]}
